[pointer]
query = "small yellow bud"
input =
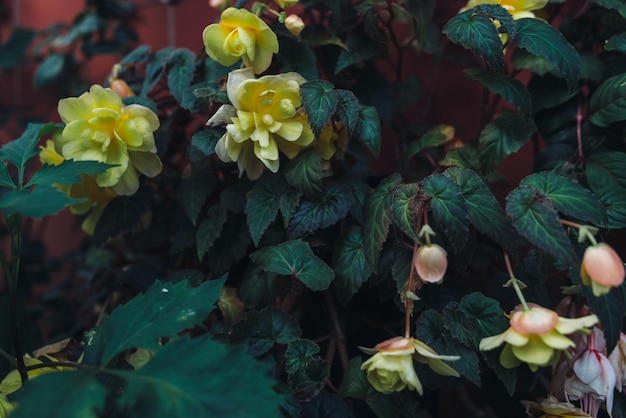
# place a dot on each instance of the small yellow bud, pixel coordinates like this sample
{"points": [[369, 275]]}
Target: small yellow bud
{"points": [[294, 24]]}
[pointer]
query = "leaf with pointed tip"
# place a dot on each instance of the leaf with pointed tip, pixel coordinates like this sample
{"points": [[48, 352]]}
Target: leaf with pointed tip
{"points": [[478, 33], [535, 219], [210, 229], [319, 101], [608, 102], [289, 202], [305, 369], [263, 203], [296, 259], [350, 264], [305, 174], [263, 329], [378, 217], [180, 76], [503, 136], [22, 149], [511, 89], [606, 169], [68, 172], [499, 13], [538, 37], [163, 310], [404, 210], [5, 177], [35, 203], [348, 109], [568, 197], [449, 208], [613, 199], [368, 128]]}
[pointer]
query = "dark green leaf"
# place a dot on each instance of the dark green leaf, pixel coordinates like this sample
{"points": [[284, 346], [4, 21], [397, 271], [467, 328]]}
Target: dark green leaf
{"points": [[432, 138], [262, 329], [539, 38], [40, 202], [305, 174], [593, 68], [306, 370], [430, 330], [350, 264], [263, 203], [326, 405], [67, 394], [121, 214], [191, 195], [155, 70], [568, 197], [354, 383], [299, 57], [181, 74], [198, 97], [210, 229], [477, 33], [203, 143], [11, 53], [449, 208], [378, 208], [5, 177], [299, 353], [613, 199], [166, 388], [348, 109], [49, 71], [616, 43], [608, 102], [511, 89], [360, 48], [522, 59], [320, 101], [606, 169], [503, 136], [296, 259], [22, 149], [405, 210], [138, 55], [163, 311], [485, 212], [534, 218], [368, 128], [617, 5], [499, 13], [289, 202], [312, 215], [68, 172]]}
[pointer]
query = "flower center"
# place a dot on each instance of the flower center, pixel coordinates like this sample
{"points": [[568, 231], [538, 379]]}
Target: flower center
{"points": [[267, 119]]}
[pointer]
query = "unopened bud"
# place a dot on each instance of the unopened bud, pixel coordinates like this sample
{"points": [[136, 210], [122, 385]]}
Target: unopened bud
{"points": [[120, 87], [602, 268], [431, 263], [294, 24]]}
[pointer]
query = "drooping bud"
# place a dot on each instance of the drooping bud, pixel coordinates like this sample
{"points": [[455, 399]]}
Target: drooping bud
{"points": [[294, 24], [431, 263], [602, 268]]}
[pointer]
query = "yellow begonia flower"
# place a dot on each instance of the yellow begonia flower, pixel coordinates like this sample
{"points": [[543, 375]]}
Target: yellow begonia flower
{"points": [[391, 367], [518, 8], [96, 198], [286, 3], [264, 120], [333, 140], [601, 268], [100, 128], [536, 337], [240, 34]]}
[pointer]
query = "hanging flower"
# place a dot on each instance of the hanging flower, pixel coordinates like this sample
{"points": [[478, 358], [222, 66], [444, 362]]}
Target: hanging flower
{"points": [[264, 119], [390, 369], [536, 337], [100, 128], [240, 34], [95, 198], [618, 360], [431, 263], [601, 268], [294, 24], [518, 8]]}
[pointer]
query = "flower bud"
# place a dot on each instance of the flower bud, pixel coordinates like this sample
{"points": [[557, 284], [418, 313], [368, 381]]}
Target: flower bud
{"points": [[121, 88], [431, 263], [601, 268], [294, 24]]}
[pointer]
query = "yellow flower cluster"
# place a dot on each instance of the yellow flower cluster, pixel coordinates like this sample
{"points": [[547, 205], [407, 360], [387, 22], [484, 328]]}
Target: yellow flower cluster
{"points": [[518, 8]]}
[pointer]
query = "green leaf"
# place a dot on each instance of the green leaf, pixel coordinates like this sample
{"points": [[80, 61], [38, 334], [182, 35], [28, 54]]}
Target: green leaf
{"points": [[261, 330], [68, 172], [617, 5], [203, 143], [312, 215], [616, 43], [299, 57], [167, 388], [320, 101], [511, 89], [534, 218], [5, 177], [296, 259], [449, 208], [13, 50], [22, 149], [404, 209], [568, 197], [121, 214], [305, 174], [180, 75], [608, 102], [539, 38], [484, 210], [326, 405], [350, 264], [499, 13], [354, 383], [430, 329], [163, 310], [41, 201], [487, 319], [613, 199], [378, 209], [67, 394], [210, 229], [289, 202], [306, 371], [360, 48], [522, 59], [503, 136], [263, 203], [198, 97], [368, 129], [348, 108], [191, 195], [477, 33], [49, 71], [606, 169]]}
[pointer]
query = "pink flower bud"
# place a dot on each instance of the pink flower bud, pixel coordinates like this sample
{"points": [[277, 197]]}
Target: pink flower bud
{"points": [[294, 24], [431, 263], [601, 268]]}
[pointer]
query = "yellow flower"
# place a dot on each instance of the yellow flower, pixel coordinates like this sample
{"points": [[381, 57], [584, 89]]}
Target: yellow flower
{"points": [[601, 268], [555, 409], [95, 198], [391, 367], [100, 128], [13, 381], [286, 3], [431, 263], [240, 34], [264, 120], [518, 8], [333, 140], [536, 337], [294, 24]]}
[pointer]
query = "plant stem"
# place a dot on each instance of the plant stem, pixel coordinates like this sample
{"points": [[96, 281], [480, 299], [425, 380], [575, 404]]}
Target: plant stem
{"points": [[339, 338], [15, 226], [520, 295]]}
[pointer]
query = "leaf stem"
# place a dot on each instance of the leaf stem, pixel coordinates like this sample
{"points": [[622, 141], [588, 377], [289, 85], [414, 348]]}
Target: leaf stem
{"points": [[339, 338], [515, 283], [15, 226]]}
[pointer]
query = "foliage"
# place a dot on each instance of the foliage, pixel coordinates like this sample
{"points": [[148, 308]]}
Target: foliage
{"points": [[279, 211]]}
